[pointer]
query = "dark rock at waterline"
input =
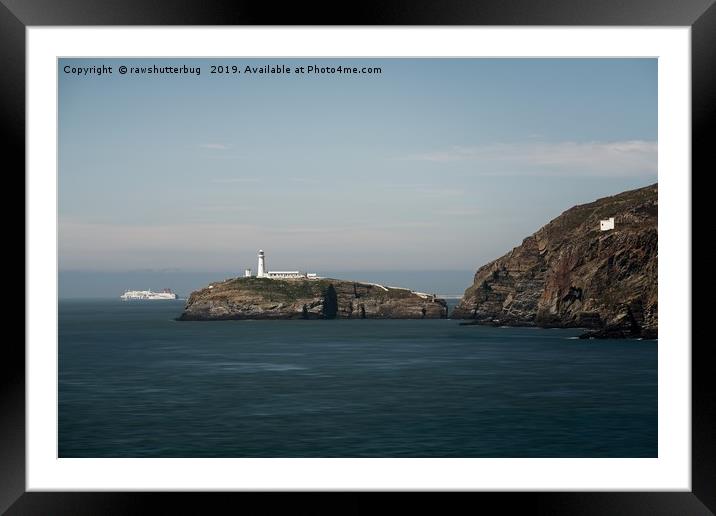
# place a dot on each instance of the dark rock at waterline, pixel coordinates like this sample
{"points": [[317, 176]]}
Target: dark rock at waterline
{"points": [[617, 333]]}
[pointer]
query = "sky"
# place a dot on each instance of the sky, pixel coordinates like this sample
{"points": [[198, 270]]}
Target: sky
{"points": [[432, 164]]}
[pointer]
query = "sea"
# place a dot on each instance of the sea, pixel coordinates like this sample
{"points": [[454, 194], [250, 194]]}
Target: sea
{"points": [[134, 382]]}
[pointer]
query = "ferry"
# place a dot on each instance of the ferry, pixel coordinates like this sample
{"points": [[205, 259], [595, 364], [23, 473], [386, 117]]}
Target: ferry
{"points": [[148, 294]]}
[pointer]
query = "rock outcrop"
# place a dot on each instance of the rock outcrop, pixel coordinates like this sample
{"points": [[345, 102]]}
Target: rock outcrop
{"points": [[572, 274], [261, 298]]}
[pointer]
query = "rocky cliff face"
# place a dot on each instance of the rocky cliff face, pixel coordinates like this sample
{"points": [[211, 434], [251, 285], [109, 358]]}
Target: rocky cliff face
{"points": [[572, 274], [260, 298]]}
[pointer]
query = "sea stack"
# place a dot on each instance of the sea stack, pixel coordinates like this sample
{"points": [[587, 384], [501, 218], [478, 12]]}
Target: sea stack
{"points": [[308, 298]]}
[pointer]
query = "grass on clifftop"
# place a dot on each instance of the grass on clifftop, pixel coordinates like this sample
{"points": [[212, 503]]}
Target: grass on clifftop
{"points": [[290, 290], [601, 209], [277, 289]]}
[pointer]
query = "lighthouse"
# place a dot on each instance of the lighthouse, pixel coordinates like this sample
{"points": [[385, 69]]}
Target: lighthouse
{"points": [[261, 272]]}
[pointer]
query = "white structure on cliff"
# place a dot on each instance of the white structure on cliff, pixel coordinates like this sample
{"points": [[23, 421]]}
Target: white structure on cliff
{"points": [[606, 225], [263, 272]]}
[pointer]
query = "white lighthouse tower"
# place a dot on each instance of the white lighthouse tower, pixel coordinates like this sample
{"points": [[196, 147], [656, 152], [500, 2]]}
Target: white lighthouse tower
{"points": [[261, 272]]}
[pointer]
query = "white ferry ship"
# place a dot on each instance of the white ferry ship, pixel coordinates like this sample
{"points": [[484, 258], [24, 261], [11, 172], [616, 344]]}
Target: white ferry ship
{"points": [[148, 294]]}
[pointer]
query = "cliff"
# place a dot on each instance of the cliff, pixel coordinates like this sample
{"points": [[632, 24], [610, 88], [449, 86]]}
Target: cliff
{"points": [[261, 298], [572, 274]]}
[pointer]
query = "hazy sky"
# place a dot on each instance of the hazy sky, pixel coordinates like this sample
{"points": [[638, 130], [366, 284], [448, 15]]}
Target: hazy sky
{"points": [[432, 164]]}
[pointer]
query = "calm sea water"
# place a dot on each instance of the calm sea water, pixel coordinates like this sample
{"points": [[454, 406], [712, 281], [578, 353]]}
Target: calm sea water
{"points": [[135, 383]]}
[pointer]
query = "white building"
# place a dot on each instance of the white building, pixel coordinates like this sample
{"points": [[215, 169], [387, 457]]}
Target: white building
{"points": [[284, 274], [263, 272], [606, 225]]}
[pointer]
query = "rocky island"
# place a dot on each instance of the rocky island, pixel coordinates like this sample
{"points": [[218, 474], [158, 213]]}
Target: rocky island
{"points": [[594, 267], [324, 298]]}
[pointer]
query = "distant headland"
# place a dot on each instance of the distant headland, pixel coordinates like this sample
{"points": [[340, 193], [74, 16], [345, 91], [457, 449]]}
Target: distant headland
{"points": [[594, 267]]}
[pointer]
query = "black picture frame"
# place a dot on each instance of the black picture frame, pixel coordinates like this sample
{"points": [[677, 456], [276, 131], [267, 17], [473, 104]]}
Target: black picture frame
{"points": [[16, 15]]}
